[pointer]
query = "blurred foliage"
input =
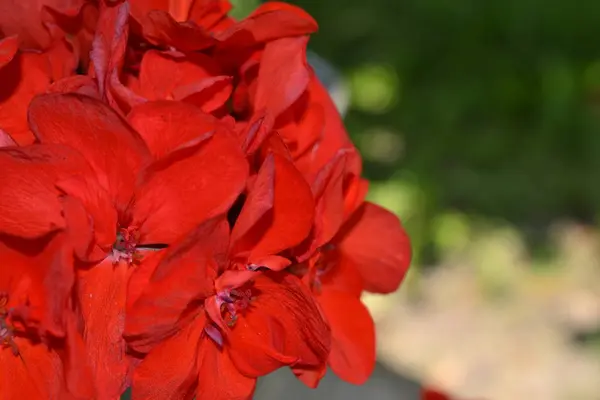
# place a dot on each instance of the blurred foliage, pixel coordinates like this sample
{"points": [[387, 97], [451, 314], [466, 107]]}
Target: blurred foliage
{"points": [[484, 107]]}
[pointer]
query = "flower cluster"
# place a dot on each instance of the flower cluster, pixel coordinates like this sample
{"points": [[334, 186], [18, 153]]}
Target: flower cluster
{"points": [[181, 209]]}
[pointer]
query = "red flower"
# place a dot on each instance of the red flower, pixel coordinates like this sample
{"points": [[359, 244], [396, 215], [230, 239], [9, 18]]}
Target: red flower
{"points": [[33, 21], [240, 326], [352, 249], [195, 79], [207, 49], [354, 246], [191, 216], [246, 323], [45, 43], [112, 229], [25, 74], [41, 350]]}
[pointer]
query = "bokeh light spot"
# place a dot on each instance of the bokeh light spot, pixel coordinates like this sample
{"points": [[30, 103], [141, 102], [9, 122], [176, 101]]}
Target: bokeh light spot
{"points": [[375, 88]]}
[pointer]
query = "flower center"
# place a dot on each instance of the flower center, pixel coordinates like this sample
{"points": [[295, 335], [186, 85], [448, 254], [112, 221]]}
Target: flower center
{"points": [[124, 248], [232, 303], [6, 330]]}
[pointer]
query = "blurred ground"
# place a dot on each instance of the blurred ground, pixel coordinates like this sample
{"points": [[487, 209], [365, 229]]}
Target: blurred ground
{"points": [[384, 385], [490, 324]]}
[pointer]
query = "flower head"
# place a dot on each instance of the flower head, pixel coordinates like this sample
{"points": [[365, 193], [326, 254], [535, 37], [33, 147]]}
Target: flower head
{"points": [[181, 203]]}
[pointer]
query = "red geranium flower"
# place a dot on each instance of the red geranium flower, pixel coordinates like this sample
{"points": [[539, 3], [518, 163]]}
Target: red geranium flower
{"points": [[231, 316], [39, 23], [124, 201], [239, 326], [178, 50], [351, 250], [191, 216], [26, 74], [41, 349], [37, 363]]}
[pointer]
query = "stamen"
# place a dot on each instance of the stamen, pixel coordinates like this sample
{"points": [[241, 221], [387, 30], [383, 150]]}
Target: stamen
{"points": [[124, 247], [232, 302], [127, 247]]}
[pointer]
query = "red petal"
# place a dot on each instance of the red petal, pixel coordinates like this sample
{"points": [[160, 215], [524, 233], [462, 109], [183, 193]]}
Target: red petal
{"points": [[352, 356], [329, 191], [282, 327], [80, 222], [188, 186], [232, 279], [170, 370], [302, 132], [375, 241], [270, 21], [231, 384], [78, 374], [209, 94], [310, 376], [259, 202], [102, 294], [58, 281], [39, 278], [292, 214], [6, 140], [207, 13], [35, 374], [78, 22], [29, 203], [333, 134], [139, 8], [108, 53], [275, 144], [24, 77], [8, 48], [81, 84], [142, 274], [162, 74], [61, 59], [278, 212], [167, 125], [283, 74], [113, 149], [93, 213], [256, 131], [180, 9], [160, 29], [355, 192], [341, 274], [190, 265], [24, 19]]}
